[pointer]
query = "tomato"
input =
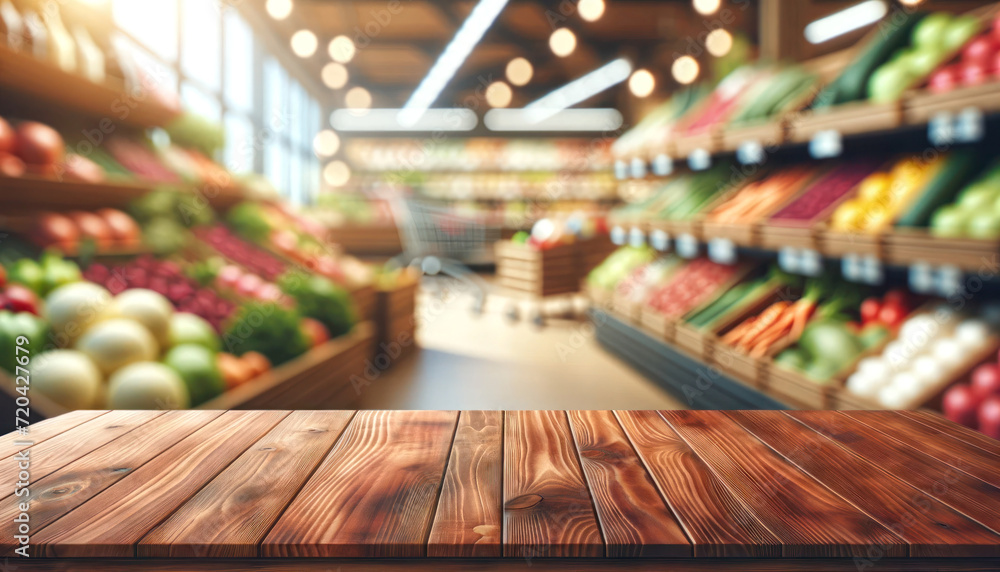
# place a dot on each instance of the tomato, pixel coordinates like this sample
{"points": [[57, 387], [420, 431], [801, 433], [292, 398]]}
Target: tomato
{"points": [[989, 417], [892, 315], [870, 310], [960, 405]]}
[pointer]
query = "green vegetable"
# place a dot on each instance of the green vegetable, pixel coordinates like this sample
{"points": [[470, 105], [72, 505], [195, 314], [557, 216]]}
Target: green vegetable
{"points": [[57, 271], [28, 273], [873, 334], [956, 171], [266, 328], [164, 236], [830, 342], [792, 358], [197, 367], [249, 221], [321, 299], [24, 324]]}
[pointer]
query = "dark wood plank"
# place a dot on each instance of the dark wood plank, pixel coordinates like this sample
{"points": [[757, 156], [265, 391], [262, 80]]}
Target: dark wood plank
{"points": [[232, 514], [931, 528], [11, 443], [74, 484], [966, 494], [111, 523], [634, 520], [547, 508], [69, 446], [375, 494], [955, 430], [958, 453], [468, 519], [716, 522], [809, 519]]}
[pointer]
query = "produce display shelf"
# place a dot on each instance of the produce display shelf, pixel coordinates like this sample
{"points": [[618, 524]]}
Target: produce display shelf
{"points": [[367, 239], [25, 74], [561, 490]]}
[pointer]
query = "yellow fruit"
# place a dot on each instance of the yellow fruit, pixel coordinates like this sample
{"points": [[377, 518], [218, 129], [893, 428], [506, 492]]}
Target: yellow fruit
{"points": [[874, 186], [847, 215]]}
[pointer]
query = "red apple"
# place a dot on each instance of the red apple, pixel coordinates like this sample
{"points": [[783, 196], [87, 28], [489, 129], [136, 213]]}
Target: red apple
{"points": [[974, 73], [986, 381], [945, 79], [892, 314], [870, 309], [960, 405], [989, 417], [17, 298], [315, 331], [93, 227], [980, 50]]}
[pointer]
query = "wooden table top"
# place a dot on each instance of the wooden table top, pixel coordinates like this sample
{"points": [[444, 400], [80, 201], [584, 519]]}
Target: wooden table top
{"points": [[878, 486]]}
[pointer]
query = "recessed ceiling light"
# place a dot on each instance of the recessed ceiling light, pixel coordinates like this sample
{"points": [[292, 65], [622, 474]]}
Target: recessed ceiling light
{"points": [[719, 42], [336, 173], [498, 94], [562, 42], [591, 10], [685, 69], [304, 43], [326, 143], [341, 49], [335, 75], [279, 9], [641, 83], [358, 98], [519, 71], [707, 7]]}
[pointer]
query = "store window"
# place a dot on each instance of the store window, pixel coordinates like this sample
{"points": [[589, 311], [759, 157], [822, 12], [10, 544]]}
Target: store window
{"points": [[152, 22], [200, 52]]}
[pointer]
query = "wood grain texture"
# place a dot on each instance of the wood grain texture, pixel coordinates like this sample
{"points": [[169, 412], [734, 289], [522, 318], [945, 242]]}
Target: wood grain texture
{"points": [[547, 508], [961, 491], [112, 522], [931, 528], [375, 494], [44, 430], [942, 425], [79, 481], [717, 523], [958, 453], [809, 519], [634, 520], [468, 519], [232, 514]]}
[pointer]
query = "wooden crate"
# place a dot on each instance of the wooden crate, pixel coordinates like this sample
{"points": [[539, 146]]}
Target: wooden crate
{"points": [[628, 309], [775, 237], [796, 387], [906, 246], [920, 107], [853, 118], [835, 244], [768, 134], [526, 270], [367, 240], [364, 301], [695, 342], [395, 318], [708, 140], [740, 234], [657, 324]]}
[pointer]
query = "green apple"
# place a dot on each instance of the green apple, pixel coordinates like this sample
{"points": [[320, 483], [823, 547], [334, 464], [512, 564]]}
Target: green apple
{"points": [[921, 62], [950, 221], [889, 82], [985, 225], [931, 29], [977, 198], [960, 31]]}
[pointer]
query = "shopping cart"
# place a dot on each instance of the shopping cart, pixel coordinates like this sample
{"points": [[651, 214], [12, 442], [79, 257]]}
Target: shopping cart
{"points": [[438, 241]]}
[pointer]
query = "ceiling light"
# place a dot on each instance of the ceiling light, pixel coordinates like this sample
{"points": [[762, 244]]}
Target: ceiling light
{"points": [[334, 75], [685, 69], [706, 7], [341, 49], [358, 98], [562, 42], [519, 71], [326, 143], [336, 173], [599, 119], [641, 83], [387, 120], [591, 10], [580, 89], [279, 9], [845, 21], [719, 42], [498, 94], [454, 54], [304, 43]]}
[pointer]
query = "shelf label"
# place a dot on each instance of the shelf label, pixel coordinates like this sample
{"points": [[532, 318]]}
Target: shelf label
{"points": [[941, 129], [852, 268], [699, 160], [687, 246], [948, 280], [617, 235], [621, 169], [803, 261], [662, 165], [970, 126], [942, 280], [921, 278], [750, 153], [637, 168], [862, 269], [659, 240], [788, 260], [722, 251], [636, 237], [826, 144]]}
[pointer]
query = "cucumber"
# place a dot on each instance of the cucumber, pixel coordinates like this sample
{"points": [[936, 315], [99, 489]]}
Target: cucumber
{"points": [[958, 169], [720, 305]]}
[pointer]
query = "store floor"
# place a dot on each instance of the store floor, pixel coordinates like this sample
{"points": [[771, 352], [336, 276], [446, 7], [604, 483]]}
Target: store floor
{"points": [[487, 362]]}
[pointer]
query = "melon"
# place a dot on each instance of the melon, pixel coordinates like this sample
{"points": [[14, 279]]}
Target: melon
{"points": [[146, 385], [67, 377], [114, 344]]}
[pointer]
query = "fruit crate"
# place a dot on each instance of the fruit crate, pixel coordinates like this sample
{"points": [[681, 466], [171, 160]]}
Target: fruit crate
{"points": [[322, 378], [695, 342], [853, 118], [768, 134], [799, 389], [906, 246], [626, 308], [395, 316], [776, 236], [747, 234], [525, 270], [364, 300], [657, 324], [599, 297], [594, 251], [367, 239], [836, 244], [922, 106], [709, 140]]}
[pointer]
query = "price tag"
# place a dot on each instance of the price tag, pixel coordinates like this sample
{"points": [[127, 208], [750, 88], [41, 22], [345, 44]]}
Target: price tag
{"points": [[662, 165], [941, 129], [722, 251], [699, 160], [659, 240], [638, 168], [810, 262], [948, 280], [852, 267], [921, 278], [789, 261], [621, 169], [617, 235], [687, 246], [969, 126], [750, 153], [872, 270], [826, 144], [636, 237]]}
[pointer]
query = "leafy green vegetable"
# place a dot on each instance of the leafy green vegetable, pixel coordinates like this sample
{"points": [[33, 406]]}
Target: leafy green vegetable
{"points": [[266, 328], [249, 221], [320, 299]]}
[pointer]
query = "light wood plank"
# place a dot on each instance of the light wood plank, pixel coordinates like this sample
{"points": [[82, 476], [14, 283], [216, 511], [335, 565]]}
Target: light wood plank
{"points": [[634, 519], [232, 514], [375, 494], [715, 521], [44, 430], [468, 519], [548, 510], [111, 523]]}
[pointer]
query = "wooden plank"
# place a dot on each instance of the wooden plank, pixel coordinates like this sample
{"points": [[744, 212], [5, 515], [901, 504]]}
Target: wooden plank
{"points": [[67, 447], [809, 520], [374, 495], [547, 508], [634, 519], [955, 430], [232, 514], [962, 492], [958, 453], [932, 528], [468, 519], [112, 522], [715, 521], [45, 430], [57, 494]]}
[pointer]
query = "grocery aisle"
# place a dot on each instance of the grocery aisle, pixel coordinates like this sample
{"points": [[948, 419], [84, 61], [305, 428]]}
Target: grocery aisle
{"points": [[489, 363]]}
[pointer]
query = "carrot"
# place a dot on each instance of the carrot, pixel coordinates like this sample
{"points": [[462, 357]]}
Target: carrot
{"points": [[766, 341], [765, 319], [804, 309], [738, 332], [773, 332]]}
